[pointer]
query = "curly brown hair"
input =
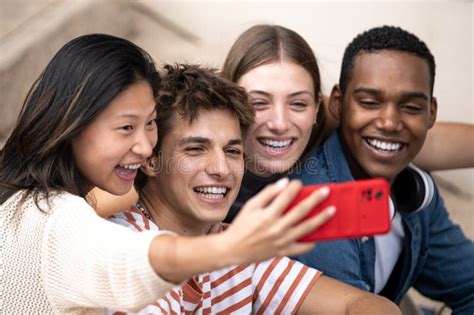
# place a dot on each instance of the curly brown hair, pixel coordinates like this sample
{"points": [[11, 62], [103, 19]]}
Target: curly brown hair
{"points": [[186, 90]]}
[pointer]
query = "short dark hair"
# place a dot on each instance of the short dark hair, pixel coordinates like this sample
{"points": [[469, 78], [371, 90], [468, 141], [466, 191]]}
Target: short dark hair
{"points": [[79, 82], [188, 89], [384, 38]]}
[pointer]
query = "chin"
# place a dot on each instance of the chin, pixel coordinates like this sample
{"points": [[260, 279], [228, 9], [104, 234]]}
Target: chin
{"points": [[213, 219], [118, 191], [383, 174], [279, 167]]}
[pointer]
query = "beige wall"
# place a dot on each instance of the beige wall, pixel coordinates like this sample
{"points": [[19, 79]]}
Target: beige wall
{"points": [[203, 31], [446, 27]]}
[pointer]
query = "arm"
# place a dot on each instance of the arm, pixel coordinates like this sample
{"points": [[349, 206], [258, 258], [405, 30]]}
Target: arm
{"points": [[447, 146], [108, 204], [447, 274], [257, 233], [290, 287], [90, 262], [329, 296], [326, 257]]}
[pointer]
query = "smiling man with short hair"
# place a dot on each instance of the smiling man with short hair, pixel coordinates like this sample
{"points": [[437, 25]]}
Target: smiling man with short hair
{"points": [[385, 105]]}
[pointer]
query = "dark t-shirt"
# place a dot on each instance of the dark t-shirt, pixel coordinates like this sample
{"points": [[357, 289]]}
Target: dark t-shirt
{"points": [[251, 185]]}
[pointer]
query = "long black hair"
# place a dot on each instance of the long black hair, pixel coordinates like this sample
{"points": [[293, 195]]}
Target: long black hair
{"points": [[76, 86]]}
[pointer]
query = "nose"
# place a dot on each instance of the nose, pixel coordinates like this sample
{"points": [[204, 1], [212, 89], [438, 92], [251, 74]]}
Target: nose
{"points": [[278, 121], [144, 143], [217, 165], [389, 119]]}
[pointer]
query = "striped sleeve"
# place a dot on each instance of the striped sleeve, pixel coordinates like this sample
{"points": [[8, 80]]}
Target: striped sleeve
{"points": [[281, 285], [133, 220]]}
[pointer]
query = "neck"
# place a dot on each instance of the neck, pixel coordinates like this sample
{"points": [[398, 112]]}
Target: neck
{"points": [[167, 218]]}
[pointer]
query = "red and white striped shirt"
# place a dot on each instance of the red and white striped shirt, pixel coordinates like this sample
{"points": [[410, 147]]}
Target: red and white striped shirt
{"points": [[276, 286]]}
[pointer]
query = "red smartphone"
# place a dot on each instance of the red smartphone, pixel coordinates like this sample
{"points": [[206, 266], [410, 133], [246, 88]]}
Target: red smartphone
{"points": [[362, 209]]}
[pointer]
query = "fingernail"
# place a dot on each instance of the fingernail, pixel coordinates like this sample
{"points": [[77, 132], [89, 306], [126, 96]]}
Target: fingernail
{"points": [[281, 183], [331, 210], [324, 192]]}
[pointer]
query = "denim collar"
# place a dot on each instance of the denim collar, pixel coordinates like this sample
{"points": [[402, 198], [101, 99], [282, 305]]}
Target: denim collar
{"points": [[338, 167]]}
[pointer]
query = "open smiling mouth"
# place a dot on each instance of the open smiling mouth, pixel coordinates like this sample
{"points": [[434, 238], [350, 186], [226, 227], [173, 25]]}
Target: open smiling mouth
{"points": [[130, 167], [384, 146], [212, 192], [127, 172], [276, 145]]}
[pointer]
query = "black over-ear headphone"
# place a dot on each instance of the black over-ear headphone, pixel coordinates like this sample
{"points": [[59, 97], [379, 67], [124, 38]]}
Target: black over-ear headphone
{"points": [[412, 190]]}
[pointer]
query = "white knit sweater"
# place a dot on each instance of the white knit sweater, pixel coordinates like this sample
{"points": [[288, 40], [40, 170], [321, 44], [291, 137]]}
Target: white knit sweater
{"points": [[69, 260]]}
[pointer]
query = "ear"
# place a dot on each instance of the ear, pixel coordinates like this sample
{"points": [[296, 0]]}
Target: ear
{"points": [[152, 165], [433, 111], [335, 103]]}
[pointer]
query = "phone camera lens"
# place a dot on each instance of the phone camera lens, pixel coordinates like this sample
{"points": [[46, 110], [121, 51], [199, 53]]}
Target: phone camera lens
{"points": [[378, 195]]}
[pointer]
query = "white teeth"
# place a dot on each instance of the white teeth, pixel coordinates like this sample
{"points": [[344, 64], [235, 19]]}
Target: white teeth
{"points": [[276, 144], [384, 145], [212, 196], [211, 190], [130, 166]]}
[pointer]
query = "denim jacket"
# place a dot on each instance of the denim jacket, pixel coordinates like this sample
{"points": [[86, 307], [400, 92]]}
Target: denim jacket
{"points": [[437, 259]]}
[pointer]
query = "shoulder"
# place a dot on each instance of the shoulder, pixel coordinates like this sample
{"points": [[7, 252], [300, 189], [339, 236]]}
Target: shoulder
{"points": [[313, 169], [134, 220], [327, 255], [278, 266], [324, 164], [56, 201], [59, 199]]}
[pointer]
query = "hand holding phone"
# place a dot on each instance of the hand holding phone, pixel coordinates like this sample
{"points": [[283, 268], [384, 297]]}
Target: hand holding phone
{"points": [[362, 209]]}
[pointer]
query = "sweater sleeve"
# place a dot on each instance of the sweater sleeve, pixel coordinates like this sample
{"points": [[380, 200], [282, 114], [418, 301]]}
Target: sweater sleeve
{"points": [[90, 262]]}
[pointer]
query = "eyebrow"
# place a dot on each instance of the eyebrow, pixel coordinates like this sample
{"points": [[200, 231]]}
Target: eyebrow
{"points": [[188, 140], [300, 93], [203, 140], [415, 95], [235, 142], [258, 92], [291, 95], [367, 90], [135, 116], [410, 94]]}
